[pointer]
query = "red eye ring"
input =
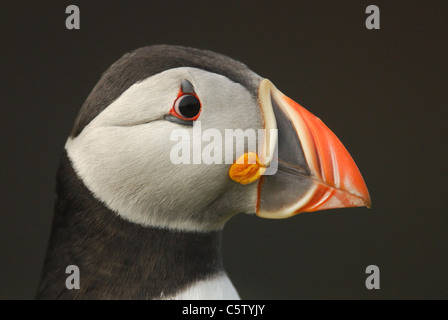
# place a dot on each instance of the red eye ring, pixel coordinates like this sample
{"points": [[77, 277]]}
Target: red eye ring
{"points": [[187, 107]]}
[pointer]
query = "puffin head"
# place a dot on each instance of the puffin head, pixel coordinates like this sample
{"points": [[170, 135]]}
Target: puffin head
{"points": [[157, 143]]}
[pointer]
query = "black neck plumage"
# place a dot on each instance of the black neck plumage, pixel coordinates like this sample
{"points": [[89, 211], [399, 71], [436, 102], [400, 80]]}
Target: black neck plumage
{"points": [[118, 259]]}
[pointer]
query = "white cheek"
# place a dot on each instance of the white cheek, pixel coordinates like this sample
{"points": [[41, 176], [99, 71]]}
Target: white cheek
{"points": [[116, 162], [123, 155], [129, 169]]}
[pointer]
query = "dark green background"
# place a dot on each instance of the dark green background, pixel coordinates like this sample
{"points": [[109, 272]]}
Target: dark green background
{"points": [[383, 92]]}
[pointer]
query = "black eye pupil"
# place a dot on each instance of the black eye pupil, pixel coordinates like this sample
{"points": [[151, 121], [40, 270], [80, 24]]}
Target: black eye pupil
{"points": [[188, 106]]}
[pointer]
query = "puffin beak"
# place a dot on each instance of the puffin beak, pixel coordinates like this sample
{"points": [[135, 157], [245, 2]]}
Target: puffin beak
{"points": [[314, 170]]}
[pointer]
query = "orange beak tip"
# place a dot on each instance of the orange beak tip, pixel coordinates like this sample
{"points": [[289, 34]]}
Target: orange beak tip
{"points": [[369, 204]]}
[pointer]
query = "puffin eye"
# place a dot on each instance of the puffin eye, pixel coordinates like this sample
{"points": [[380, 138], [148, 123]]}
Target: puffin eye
{"points": [[187, 107]]}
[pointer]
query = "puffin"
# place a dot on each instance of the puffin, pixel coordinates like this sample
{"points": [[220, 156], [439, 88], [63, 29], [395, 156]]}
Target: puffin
{"points": [[139, 223]]}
